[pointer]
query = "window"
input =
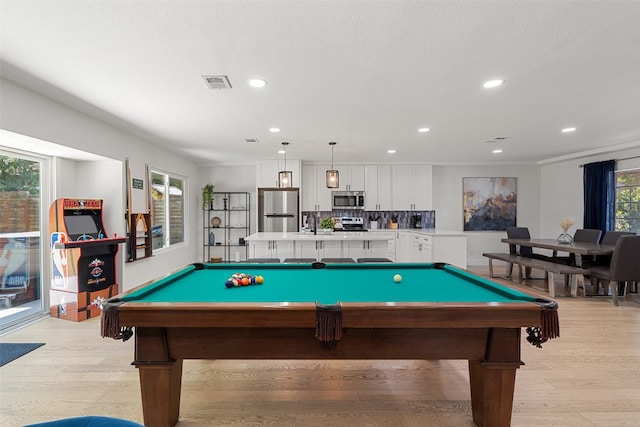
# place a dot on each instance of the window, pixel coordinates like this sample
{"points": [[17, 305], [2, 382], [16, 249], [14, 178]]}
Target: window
{"points": [[628, 200], [167, 209]]}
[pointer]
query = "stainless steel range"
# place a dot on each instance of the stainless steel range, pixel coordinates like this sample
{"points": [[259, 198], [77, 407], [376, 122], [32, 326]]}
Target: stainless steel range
{"points": [[351, 223]]}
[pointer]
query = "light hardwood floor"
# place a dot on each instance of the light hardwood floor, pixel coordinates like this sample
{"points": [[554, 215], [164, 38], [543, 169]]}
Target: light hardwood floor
{"points": [[590, 376]]}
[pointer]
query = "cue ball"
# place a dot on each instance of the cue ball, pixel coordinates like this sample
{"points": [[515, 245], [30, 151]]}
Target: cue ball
{"points": [[397, 278]]}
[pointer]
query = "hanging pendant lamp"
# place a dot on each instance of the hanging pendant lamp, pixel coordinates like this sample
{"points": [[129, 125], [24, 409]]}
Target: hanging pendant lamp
{"points": [[333, 176], [285, 177]]}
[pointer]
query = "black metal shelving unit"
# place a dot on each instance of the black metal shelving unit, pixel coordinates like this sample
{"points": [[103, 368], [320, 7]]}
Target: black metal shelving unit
{"points": [[228, 220]]}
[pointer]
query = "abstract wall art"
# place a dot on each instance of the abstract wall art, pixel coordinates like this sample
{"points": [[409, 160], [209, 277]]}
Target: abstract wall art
{"points": [[489, 203]]}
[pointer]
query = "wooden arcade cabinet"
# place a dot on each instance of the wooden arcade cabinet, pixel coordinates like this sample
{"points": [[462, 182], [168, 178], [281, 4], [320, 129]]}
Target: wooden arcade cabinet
{"points": [[83, 259]]}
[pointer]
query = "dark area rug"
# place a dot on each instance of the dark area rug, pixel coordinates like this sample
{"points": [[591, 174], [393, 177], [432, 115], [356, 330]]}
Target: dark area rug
{"points": [[12, 351]]}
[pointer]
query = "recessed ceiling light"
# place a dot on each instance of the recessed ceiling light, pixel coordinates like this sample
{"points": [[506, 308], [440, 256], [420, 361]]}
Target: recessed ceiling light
{"points": [[281, 151], [567, 130], [257, 83], [274, 130], [391, 151], [493, 83], [423, 130], [498, 151]]}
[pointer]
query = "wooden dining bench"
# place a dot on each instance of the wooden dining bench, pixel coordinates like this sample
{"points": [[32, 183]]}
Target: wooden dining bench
{"points": [[575, 274]]}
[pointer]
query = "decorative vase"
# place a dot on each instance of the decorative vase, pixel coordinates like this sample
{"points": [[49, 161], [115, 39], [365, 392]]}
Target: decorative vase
{"points": [[565, 238]]}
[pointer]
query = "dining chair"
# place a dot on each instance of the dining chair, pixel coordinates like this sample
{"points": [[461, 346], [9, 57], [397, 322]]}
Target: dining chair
{"points": [[523, 251], [609, 238], [624, 267], [583, 235]]}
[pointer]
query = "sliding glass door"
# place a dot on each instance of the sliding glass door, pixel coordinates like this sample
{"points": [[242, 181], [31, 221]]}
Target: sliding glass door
{"points": [[22, 286]]}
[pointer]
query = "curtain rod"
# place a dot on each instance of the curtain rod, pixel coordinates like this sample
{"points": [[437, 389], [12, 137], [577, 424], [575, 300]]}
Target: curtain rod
{"points": [[617, 160]]}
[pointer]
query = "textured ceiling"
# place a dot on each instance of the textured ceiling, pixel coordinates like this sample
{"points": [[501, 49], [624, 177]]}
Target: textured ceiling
{"points": [[364, 74]]}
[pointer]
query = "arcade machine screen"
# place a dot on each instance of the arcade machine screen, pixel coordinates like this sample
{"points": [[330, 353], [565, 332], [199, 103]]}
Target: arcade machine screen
{"points": [[82, 226]]}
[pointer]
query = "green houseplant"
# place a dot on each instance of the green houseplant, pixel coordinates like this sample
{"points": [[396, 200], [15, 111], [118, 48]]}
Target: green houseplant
{"points": [[327, 223], [207, 196]]}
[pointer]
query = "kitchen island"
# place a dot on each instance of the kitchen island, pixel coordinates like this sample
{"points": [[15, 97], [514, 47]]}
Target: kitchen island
{"points": [[331, 244], [403, 245]]}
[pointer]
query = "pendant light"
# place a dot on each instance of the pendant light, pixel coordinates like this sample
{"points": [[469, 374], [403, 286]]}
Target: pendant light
{"points": [[285, 177], [333, 176]]}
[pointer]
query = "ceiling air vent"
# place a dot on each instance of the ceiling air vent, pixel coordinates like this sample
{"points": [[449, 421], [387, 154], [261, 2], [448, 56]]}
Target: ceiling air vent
{"points": [[496, 139], [217, 82], [251, 140]]}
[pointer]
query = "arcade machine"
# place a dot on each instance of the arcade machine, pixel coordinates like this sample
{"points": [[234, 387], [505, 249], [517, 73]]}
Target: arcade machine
{"points": [[83, 259]]}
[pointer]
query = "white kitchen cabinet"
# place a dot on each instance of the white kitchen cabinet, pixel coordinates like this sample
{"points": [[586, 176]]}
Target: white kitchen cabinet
{"points": [[314, 194], [422, 249], [411, 188], [318, 249], [432, 247], [377, 187], [267, 172], [351, 178], [271, 249], [404, 247], [366, 249]]}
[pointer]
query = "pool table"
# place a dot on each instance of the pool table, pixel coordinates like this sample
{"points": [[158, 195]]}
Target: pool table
{"points": [[328, 311]]}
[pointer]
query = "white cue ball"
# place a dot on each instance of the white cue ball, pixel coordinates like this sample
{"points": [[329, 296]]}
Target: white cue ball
{"points": [[397, 278]]}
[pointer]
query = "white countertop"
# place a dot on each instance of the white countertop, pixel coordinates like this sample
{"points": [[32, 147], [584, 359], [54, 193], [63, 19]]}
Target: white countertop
{"points": [[375, 234], [335, 236]]}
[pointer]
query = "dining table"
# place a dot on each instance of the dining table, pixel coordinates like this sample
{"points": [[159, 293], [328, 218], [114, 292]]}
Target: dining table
{"points": [[579, 249]]}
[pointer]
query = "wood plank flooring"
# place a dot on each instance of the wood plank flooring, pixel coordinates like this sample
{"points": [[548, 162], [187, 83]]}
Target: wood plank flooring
{"points": [[590, 376]]}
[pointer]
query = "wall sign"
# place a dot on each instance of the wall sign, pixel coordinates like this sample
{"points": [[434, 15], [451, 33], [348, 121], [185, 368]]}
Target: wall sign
{"points": [[137, 183]]}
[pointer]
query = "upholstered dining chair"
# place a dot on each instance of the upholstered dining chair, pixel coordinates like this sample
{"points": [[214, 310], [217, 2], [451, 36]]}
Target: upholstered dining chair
{"points": [[624, 267], [523, 251], [584, 235], [609, 238]]}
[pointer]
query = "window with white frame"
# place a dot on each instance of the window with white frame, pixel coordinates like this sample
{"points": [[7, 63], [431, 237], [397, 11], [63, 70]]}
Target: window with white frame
{"points": [[167, 209], [628, 200]]}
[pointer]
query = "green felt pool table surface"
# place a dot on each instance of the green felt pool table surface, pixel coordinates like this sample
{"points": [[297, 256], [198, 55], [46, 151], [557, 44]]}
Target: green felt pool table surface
{"points": [[333, 284]]}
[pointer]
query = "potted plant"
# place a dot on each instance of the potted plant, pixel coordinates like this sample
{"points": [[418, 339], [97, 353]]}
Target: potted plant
{"points": [[327, 224], [207, 196]]}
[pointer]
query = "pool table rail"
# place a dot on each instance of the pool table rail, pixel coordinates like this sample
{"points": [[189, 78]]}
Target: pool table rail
{"points": [[354, 315]]}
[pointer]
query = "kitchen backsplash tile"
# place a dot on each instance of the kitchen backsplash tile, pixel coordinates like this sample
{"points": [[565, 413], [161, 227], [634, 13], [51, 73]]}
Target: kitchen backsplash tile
{"points": [[405, 218]]}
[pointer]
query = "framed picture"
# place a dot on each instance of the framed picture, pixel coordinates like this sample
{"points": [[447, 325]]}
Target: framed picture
{"points": [[489, 203]]}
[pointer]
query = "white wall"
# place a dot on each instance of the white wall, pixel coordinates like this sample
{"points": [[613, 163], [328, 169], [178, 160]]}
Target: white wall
{"points": [[561, 188], [27, 113], [447, 202], [104, 180]]}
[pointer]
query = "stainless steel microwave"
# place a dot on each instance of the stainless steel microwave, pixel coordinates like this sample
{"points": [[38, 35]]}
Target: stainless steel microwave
{"points": [[347, 200]]}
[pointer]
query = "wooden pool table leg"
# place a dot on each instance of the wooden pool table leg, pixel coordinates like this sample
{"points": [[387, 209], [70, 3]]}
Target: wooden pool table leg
{"points": [[160, 378], [493, 379], [492, 386]]}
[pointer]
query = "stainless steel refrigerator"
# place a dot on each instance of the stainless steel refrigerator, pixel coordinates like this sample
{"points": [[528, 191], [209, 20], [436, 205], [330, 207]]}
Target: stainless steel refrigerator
{"points": [[278, 209]]}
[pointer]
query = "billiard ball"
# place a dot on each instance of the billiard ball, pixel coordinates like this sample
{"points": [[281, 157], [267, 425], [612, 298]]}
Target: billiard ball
{"points": [[229, 283], [259, 280], [397, 278]]}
